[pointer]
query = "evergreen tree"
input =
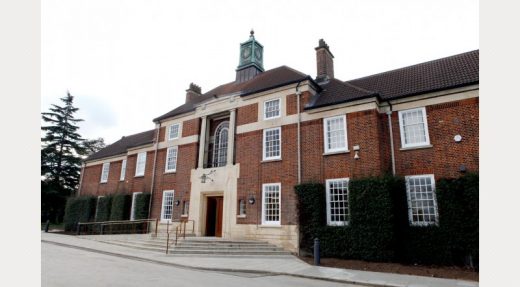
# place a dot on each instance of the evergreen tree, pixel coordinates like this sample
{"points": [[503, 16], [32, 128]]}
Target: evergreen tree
{"points": [[62, 147], [62, 151]]}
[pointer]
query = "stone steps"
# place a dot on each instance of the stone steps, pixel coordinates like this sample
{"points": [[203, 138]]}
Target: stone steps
{"points": [[201, 246]]}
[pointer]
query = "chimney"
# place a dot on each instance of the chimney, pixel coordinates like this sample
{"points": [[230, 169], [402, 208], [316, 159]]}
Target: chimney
{"points": [[192, 92], [324, 61]]}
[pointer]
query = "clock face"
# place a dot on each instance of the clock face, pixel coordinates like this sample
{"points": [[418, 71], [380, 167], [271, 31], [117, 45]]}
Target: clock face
{"points": [[258, 54], [246, 52]]}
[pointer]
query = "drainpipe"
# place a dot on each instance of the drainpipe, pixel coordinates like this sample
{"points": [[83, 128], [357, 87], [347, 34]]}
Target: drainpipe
{"points": [[81, 178], [298, 94], [389, 114], [153, 170]]}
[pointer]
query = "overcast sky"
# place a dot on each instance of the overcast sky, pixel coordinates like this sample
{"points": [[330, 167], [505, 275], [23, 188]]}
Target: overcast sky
{"points": [[127, 62]]}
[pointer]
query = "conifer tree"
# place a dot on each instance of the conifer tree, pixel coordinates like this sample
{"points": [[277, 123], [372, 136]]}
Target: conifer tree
{"points": [[61, 147]]}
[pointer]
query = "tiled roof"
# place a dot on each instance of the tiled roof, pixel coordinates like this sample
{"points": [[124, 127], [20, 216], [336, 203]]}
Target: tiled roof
{"points": [[335, 92], [122, 145], [267, 80], [450, 72]]}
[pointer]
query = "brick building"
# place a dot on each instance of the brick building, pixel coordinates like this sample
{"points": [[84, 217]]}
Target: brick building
{"points": [[229, 158]]}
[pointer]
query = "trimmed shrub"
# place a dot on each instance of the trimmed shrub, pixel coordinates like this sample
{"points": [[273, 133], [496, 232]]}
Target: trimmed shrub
{"points": [[311, 213], [120, 208], [458, 216], [379, 229], [141, 205], [372, 217], [78, 209], [103, 208]]}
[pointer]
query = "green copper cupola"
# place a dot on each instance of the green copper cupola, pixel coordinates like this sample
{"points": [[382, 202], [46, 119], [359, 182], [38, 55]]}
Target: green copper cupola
{"points": [[251, 59]]}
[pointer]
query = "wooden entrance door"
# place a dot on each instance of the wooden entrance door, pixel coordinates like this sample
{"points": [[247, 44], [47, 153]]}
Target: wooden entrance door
{"points": [[214, 212]]}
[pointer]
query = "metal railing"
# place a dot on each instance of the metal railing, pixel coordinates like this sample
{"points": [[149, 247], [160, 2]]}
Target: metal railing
{"points": [[117, 227], [180, 229]]}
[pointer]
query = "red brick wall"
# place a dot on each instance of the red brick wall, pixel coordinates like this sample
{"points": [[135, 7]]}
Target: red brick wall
{"points": [[162, 134], [247, 114], [368, 129], [191, 127], [444, 158], [178, 181], [291, 102], [253, 174], [91, 178]]}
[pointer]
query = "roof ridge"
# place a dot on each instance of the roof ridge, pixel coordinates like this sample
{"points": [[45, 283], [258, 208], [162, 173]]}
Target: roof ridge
{"points": [[410, 66]]}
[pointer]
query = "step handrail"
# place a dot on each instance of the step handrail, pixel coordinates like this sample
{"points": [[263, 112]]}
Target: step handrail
{"points": [[179, 230], [102, 224]]}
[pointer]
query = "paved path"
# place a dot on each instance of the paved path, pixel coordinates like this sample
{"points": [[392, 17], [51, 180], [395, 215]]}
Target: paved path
{"points": [[64, 266], [279, 265]]}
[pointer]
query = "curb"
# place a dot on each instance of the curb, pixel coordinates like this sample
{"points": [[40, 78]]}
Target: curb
{"points": [[260, 272]]}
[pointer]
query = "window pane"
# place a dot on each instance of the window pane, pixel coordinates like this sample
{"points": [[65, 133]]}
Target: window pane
{"points": [[171, 159], [173, 132], [337, 193], [414, 127], [271, 201], [167, 208], [421, 200], [272, 142], [335, 133], [272, 109]]}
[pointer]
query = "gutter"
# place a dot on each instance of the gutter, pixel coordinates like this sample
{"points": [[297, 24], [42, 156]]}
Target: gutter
{"points": [[298, 94], [392, 155], [153, 171]]}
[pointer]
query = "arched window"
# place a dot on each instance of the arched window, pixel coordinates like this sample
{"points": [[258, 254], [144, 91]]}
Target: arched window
{"points": [[221, 144]]}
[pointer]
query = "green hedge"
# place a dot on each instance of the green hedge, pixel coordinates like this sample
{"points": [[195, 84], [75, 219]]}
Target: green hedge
{"points": [[79, 209], [141, 205], [372, 217], [120, 208], [103, 207], [379, 229], [311, 219]]}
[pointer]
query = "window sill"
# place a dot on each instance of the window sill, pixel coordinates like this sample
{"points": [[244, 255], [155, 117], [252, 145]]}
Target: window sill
{"points": [[241, 216], [270, 226], [171, 171], [271, 160], [102, 182], [184, 215], [338, 224], [416, 147], [336, 152], [139, 175]]}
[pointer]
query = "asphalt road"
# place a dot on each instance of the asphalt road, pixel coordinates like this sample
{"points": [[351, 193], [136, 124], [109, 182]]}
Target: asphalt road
{"points": [[63, 266]]}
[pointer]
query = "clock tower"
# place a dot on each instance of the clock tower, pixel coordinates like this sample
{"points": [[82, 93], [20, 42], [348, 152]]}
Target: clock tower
{"points": [[251, 59]]}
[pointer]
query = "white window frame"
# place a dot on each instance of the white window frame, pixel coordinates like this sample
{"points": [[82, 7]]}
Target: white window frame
{"points": [[132, 209], [409, 199], [264, 148], [277, 222], [104, 176], [326, 136], [140, 155], [401, 128], [163, 205], [279, 108], [329, 221], [123, 170], [168, 151], [170, 138]]}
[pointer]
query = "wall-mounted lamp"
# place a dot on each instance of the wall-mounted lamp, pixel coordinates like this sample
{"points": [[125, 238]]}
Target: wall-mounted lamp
{"points": [[356, 149], [205, 176], [177, 202], [251, 199]]}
